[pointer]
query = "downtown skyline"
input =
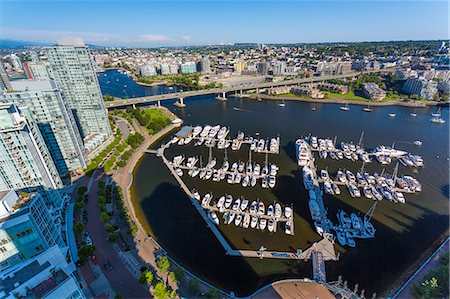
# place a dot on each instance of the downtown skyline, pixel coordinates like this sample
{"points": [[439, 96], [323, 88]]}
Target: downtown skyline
{"points": [[207, 23]]}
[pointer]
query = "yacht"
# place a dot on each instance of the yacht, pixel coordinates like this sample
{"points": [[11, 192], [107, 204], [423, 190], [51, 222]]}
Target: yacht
{"points": [[179, 171], [223, 132], [377, 195], [437, 113], [228, 201], [271, 225], [270, 210], [236, 204], [244, 204], [246, 221], [238, 220], [272, 182], [254, 222], [398, 196], [367, 192], [213, 216], [278, 210], [253, 207], [261, 208], [303, 152], [383, 150], [197, 130], [287, 212], [367, 109], [288, 228], [437, 120], [413, 183], [345, 108], [206, 199], [195, 194], [221, 202], [262, 223], [336, 189], [392, 114]]}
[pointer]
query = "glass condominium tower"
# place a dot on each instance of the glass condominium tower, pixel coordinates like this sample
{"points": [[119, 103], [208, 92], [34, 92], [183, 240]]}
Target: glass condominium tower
{"points": [[72, 69]]}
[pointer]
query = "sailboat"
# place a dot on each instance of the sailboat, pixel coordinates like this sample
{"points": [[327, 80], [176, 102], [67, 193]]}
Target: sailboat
{"points": [[367, 109], [345, 108], [414, 113], [437, 113], [282, 104], [314, 107]]}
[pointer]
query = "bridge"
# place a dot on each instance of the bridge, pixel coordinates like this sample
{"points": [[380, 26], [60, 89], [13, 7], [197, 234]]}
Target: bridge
{"points": [[224, 90]]}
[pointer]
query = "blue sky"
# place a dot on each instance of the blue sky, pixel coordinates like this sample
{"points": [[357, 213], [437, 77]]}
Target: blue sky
{"points": [[168, 23]]}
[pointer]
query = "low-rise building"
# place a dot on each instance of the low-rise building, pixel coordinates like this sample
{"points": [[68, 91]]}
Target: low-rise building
{"points": [[373, 92], [421, 87], [335, 88]]}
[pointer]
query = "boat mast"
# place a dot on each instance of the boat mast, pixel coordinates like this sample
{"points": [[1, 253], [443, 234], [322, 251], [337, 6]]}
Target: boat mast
{"points": [[335, 140], [210, 154], [370, 212], [250, 156], [226, 155], [362, 167], [266, 162], [361, 138], [395, 173]]}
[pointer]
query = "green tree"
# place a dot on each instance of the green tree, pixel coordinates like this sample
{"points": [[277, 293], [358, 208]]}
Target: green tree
{"points": [[78, 227], [104, 217], [194, 286], [160, 291], [146, 277], [163, 264], [213, 293], [85, 252]]}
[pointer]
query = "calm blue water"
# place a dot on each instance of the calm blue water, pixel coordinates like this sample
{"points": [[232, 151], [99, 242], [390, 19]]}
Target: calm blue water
{"points": [[120, 85], [403, 231]]}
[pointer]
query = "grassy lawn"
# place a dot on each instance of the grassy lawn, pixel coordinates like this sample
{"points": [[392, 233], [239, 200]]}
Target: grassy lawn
{"points": [[350, 96]]}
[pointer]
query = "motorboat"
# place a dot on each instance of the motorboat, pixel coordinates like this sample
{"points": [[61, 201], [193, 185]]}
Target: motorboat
{"points": [[340, 155], [236, 204], [288, 228], [328, 188], [303, 152], [314, 209], [213, 216], [237, 178], [367, 192], [231, 217], [344, 219], [179, 171], [350, 241], [377, 195], [204, 133], [206, 199], [238, 220], [209, 174], [244, 204], [386, 193], [196, 131], [195, 194], [350, 176], [367, 109], [271, 225], [345, 108], [254, 222], [202, 173], [356, 221], [336, 189], [261, 208], [288, 212], [272, 182], [262, 223], [187, 140], [246, 181], [340, 234], [278, 210], [413, 183], [257, 169], [228, 201], [253, 207], [246, 221], [308, 178], [265, 182], [221, 202], [341, 177], [392, 114], [223, 132], [253, 181], [181, 141], [354, 190], [324, 175], [241, 166], [270, 210], [398, 196], [437, 120], [417, 143]]}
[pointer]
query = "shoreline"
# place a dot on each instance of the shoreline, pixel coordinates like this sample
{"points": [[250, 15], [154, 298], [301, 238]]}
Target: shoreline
{"points": [[339, 101]]}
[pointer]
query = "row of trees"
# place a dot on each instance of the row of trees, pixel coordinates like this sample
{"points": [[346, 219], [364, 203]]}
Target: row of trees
{"points": [[152, 119], [435, 283]]}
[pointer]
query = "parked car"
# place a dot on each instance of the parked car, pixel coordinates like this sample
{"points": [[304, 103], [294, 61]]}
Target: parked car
{"points": [[88, 240], [94, 259]]}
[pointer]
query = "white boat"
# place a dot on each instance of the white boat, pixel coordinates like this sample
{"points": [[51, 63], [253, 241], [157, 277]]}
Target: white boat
{"points": [[238, 220], [336, 189], [254, 222], [367, 192], [254, 207], [244, 204], [196, 131], [303, 152], [341, 177], [253, 181], [383, 150], [271, 225], [231, 217], [438, 120], [324, 175], [345, 108], [392, 114], [228, 201], [187, 140], [278, 210], [272, 182], [288, 228], [225, 166], [221, 202], [236, 204], [287, 212], [265, 182], [208, 174], [270, 210], [204, 133], [245, 181], [377, 195], [181, 141], [413, 183], [195, 194], [212, 215], [262, 223], [282, 104], [206, 199], [417, 143], [350, 176], [367, 109], [237, 178], [261, 208], [179, 171], [386, 193], [399, 196], [246, 221], [223, 132], [328, 188], [437, 113]]}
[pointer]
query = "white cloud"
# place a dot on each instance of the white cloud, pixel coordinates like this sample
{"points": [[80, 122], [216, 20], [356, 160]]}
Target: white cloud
{"points": [[187, 38], [154, 38]]}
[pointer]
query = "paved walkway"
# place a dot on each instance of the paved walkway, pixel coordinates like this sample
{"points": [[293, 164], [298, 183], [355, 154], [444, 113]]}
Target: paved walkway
{"points": [[430, 264]]}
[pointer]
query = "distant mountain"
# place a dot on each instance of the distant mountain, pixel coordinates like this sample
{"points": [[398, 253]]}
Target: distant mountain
{"points": [[14, 44]]}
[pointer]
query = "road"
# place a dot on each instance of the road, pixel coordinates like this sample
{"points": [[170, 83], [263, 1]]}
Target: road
{"points": [[119, 277], [185, 94]]}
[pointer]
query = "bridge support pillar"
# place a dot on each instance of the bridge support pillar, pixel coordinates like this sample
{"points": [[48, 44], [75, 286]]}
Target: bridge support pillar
{"points": [[223, 97], [257, 90], [159, 104], [180, 103], [134, 106], [240, 92]]}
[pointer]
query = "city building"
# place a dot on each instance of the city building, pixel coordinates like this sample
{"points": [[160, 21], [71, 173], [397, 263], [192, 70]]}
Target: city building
{"points": [[55, 121], [262, 68], [335, 88], [188, 68], [4, 78], [24, 158], [73, 72], [308, 90], [205, 64], [148, 70], [47, 275], [27, 227], [421, 87], [16, 63], [373, 92], [239, 66], [279, 68], [37, 70]]}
